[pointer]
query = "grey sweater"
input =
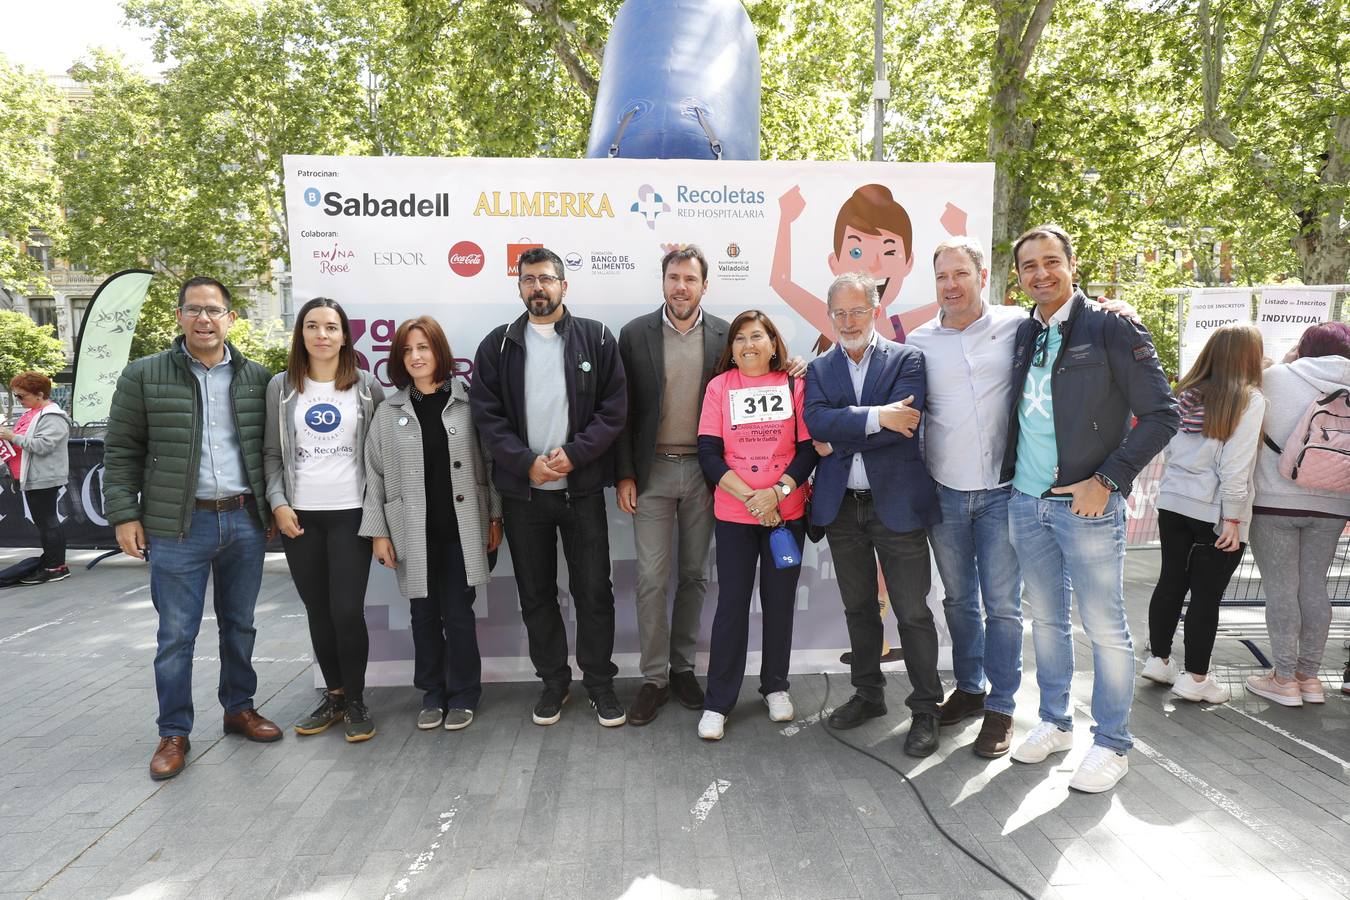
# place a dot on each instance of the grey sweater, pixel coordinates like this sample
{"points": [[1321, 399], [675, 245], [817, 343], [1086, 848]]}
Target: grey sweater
{"points": [[45, 461], [1209, 479], [1289, 388]]}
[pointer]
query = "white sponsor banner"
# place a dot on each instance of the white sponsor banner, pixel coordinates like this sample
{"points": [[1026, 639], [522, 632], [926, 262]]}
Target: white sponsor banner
{"points": [[1207, 311], [1284, 313], [391, 238]]}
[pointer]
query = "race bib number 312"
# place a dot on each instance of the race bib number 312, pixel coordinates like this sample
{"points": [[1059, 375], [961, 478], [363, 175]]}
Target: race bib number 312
{"points": [[760, 404]]}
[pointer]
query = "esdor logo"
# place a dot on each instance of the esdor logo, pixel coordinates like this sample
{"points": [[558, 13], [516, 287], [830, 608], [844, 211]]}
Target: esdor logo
{"points": [[466, 259]]}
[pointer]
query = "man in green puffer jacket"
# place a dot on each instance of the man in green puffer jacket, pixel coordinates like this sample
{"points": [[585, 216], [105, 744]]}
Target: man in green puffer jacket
{"points": [[183, 485]]}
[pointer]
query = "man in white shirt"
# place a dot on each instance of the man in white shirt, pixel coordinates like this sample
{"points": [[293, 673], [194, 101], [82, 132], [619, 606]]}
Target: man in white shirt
{"points": [[968, 352]]}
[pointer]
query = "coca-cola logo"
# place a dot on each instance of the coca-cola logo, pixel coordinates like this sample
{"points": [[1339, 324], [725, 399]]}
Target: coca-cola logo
{"points": [[466, 259]]}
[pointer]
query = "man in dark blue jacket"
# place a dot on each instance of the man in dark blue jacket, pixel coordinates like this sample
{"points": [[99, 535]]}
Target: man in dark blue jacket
{"points": [[549, 399], [1081, 375], [875, 499]]}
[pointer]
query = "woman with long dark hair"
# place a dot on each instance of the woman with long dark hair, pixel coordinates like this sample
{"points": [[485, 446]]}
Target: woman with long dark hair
{"points": [[754, 446], [318, 415], [434, 516], [1205, 505]]}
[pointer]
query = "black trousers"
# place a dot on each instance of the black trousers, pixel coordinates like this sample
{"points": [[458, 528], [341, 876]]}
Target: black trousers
{"points": [[42, 506], [330, 565], [858, 539], [740, 548], [1190, 563], [532, 530], [447, 668]]}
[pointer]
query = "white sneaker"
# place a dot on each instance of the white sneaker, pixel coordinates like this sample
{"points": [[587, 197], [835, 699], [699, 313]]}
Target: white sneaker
{"points": [[780, 707], [1161, 672], [711, 726], [1100, 770], [1207, 691], [1044, 739]]}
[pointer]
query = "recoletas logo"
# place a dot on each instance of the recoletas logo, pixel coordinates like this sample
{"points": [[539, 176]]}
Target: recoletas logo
{"points": [[649, 204]]}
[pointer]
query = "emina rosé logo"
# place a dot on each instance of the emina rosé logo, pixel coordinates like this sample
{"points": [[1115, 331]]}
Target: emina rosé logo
{"points": [[466, 259], [334, 261]]}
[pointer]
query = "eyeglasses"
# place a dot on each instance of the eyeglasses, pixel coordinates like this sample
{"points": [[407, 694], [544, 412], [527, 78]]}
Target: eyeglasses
{"points": [[541, 280], [855, 315], [212, 312]]}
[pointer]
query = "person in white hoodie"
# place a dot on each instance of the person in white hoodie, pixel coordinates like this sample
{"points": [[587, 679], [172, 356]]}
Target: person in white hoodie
{"points": [[41, 466], [1295, 529], [1205, 505]]}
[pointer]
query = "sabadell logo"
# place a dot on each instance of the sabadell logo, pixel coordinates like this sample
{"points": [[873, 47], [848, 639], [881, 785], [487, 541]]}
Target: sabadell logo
{"points": [[466, 259]]}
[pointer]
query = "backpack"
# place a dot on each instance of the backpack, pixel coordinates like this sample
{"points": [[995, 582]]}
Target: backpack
{"points": [[1317, 453]]}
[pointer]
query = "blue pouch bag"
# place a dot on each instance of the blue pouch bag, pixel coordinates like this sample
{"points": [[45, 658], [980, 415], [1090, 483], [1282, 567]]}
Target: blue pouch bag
{"points": [[786, 553]]}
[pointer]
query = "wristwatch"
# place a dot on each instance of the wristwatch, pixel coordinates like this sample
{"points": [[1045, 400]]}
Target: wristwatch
{"points": [[1105, 482], [787, 488]]}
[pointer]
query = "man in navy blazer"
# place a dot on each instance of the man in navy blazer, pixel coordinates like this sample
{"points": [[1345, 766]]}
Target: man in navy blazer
{"points": [[875, 499]]}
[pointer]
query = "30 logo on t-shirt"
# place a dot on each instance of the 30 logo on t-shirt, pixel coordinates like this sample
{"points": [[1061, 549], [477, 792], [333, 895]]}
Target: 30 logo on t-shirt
{"points": [[323, 418]]}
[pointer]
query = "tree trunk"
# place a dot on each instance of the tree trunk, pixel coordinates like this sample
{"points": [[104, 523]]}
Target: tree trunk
{"points": [[1322, 242], [1011, 138]]}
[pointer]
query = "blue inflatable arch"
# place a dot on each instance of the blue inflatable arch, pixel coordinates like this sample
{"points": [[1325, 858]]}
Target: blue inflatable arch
{"points": [[680, 80]]}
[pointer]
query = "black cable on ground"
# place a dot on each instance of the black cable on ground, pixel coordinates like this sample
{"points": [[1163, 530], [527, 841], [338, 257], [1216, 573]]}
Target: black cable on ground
{"points": [[988, 867]]}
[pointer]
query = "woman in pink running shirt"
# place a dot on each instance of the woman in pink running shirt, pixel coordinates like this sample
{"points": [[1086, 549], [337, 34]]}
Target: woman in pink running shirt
{"points": [[754, 446]]}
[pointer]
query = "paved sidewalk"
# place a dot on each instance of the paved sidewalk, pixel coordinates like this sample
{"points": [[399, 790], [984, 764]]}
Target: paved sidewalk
{"points": [[1248, 800]]}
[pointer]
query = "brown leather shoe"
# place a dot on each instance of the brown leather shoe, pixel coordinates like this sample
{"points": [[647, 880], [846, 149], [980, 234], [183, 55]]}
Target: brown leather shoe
{"points": [[684, 685], [995, 737], [647, 704], [252, 726], [959, 707], [170, 757]]}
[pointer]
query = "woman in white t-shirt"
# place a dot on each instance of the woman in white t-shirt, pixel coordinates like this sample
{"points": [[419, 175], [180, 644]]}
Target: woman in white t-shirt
{"points": [[318, 413]]}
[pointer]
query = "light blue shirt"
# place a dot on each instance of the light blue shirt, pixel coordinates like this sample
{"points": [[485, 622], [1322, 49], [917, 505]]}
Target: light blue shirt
{"points": [[965, 424], [1037, 452], [220, 471], [857, 373]]}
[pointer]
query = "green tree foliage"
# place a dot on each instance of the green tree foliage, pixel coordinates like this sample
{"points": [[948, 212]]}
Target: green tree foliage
{"points": [[263, 342], [1136, 124], [26, 346], [28, 191]]}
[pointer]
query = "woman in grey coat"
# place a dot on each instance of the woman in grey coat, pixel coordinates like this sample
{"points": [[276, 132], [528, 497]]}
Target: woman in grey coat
{"points": [[434, 517], [41, 465], [318, 415]]}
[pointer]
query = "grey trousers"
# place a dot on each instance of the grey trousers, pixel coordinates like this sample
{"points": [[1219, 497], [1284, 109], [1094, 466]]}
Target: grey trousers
{"points": [[1293, 554], [676, 497]]}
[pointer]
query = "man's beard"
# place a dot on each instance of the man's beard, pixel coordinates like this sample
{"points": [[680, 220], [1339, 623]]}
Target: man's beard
{"points": [[543, 305], [857, 343]]}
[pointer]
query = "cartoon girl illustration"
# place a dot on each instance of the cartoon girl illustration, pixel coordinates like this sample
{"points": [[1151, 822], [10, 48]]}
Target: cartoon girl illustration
{"points": [[872, 234]]}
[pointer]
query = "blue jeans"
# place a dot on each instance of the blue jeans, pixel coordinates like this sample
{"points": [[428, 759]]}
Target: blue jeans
{"points": [[976, 560], [1060, 551], [228, 546]]}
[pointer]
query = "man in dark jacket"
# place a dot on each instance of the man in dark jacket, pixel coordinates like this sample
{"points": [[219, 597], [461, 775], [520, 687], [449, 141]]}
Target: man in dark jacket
{"points": [[668, 357], [875, 500], [183, 485], [549, 399], [1080, 376]]}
